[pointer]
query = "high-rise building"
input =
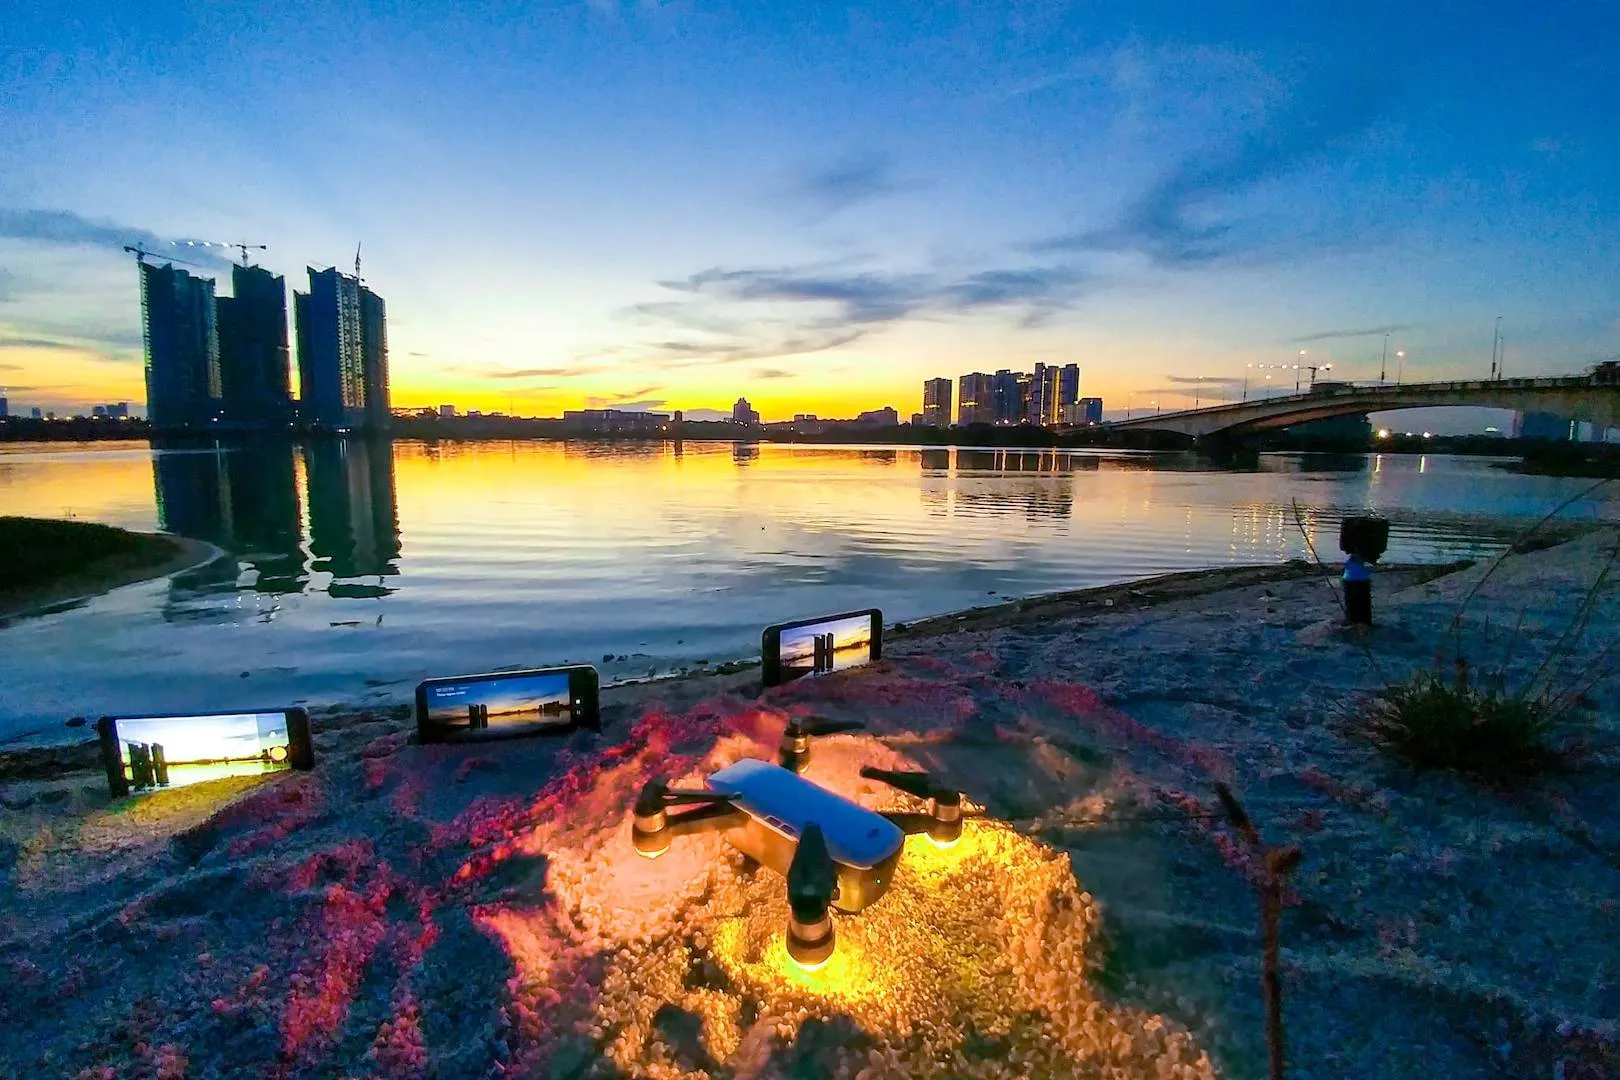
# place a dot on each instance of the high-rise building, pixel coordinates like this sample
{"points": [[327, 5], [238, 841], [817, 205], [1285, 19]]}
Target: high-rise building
{"points": [[1006, 397], [936, 408], [331, 364], [35, 413], [975, 399], [182, 347], [253, 355], [1091, 410], [1068, 392], [374, 358], [1043, 396], [884, 417], [5, 407], [743, 413]]}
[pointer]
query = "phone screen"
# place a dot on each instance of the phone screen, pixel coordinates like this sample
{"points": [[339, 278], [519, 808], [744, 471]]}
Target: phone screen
{"points": [[825, 646], [498, 706], [172, 751]]}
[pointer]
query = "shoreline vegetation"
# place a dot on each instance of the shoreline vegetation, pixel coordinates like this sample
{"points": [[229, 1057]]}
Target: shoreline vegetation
{"points": [[45, 563], [1537, 456], [470, 910]]}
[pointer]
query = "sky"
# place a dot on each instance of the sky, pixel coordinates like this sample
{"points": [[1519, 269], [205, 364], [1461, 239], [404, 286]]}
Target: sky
{"points": [[820, 205]]}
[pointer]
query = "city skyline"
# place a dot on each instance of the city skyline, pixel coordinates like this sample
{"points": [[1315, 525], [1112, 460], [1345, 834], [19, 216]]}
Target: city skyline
{"points": [[751, 204]]}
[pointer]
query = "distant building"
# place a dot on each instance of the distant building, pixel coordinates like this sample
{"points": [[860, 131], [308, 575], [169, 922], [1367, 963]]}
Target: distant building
{"points": [[804, 418], [99, 412], [447, 412], [743, 413], [936, 408], [885, 417], [974, 399], [5, 407], [1091, 410], [374, 358], [119, 411], [1068, 386], [182, 347], [474, 412], [35, 413], [331, 376], [253, 353], [614, 422], [1547, 426], [1007, 397], [918, 420]]}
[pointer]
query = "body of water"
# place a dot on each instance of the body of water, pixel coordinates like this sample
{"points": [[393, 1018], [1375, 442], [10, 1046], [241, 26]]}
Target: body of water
{"points": [[353, 570]]}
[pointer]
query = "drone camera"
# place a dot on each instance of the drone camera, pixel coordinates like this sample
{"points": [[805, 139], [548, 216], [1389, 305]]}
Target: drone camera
{"points": [[946, 827]]}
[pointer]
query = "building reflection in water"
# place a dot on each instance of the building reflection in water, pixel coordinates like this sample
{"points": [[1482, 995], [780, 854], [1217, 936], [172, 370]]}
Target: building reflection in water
{"points": [[999, 482], [245, 499], [744, 453], [353, 513]]}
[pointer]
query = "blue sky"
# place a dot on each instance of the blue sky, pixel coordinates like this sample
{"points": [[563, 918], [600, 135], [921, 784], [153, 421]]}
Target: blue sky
{"points": [[821, 205]]}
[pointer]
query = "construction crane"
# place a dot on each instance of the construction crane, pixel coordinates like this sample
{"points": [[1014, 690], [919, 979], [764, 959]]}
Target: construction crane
{"points": [[141, 253], [357, 278], [240, 246]]}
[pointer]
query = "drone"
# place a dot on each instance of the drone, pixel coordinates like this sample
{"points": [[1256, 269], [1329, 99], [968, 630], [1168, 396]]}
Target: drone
{"points": [[833, 852]]}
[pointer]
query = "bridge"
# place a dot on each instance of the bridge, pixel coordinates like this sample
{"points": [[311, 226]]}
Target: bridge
{"points": [[1594, 398]]}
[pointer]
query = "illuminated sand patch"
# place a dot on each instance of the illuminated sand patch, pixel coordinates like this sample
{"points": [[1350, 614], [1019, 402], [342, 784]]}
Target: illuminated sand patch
{"points": [[975, 963]]}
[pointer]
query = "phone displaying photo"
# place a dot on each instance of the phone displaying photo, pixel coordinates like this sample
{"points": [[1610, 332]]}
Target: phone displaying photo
{"points": [[507, 704], [150, 753], [821, 646]]}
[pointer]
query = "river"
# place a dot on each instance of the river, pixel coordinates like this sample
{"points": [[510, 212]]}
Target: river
{"points": [[353, 570]]}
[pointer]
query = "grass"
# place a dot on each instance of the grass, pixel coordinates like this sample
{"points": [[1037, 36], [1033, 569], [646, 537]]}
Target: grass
{"points": [[36, 553], [1485, 732], [1481, 727]]}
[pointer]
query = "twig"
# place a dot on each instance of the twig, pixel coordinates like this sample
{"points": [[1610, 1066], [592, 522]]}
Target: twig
{"points": [[1276, 864]]}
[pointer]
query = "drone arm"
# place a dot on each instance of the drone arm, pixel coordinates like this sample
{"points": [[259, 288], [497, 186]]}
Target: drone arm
{"points": [[910, 823], [705, 818]]}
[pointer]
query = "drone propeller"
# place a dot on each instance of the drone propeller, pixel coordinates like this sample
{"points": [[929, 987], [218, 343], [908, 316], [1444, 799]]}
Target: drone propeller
{"points": [[812, 885], [943, 822], [657, 794], [793, 752], [913, 782]]}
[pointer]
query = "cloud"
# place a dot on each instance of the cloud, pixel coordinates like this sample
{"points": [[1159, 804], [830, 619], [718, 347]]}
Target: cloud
{"points": [[535, 372], [765, 313], [774, 373], [1190, 380], [848, 181], [1178, 222], [8, 342], [1366, 331], [11, 367], [67, 228], [644, 405]]}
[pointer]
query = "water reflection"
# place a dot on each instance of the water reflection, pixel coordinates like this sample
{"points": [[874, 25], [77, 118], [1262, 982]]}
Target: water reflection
{"points": [[353, 513], [245, 499], [744, 453]]}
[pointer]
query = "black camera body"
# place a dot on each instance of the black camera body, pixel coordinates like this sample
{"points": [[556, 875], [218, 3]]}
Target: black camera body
{"points": [[1367, 538]]}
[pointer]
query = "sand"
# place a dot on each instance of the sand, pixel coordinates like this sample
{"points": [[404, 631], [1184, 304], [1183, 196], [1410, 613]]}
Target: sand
{"points": [[477, 911]]}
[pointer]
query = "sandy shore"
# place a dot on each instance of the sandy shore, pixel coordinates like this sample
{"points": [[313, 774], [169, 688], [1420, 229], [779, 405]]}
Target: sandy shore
{"points": [[407, 910]]}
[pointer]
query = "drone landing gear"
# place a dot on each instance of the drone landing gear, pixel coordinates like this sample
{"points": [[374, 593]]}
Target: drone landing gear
{"points": [[812, 885]]}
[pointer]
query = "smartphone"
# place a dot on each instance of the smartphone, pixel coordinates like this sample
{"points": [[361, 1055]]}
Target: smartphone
{"points": [[149, 753], [506, 704], [821, 646]]}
